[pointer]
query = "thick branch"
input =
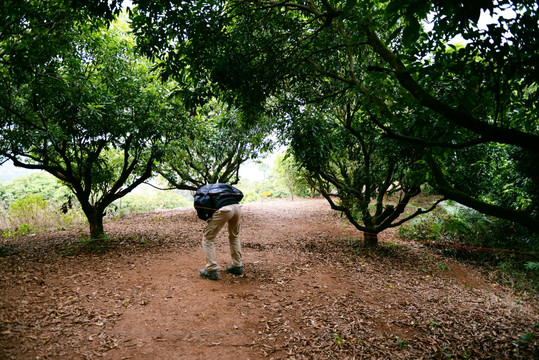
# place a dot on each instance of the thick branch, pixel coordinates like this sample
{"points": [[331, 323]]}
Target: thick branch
{"points": [[343, 209], [417, 213], [419, 141], [442, 185], [461, 118]]}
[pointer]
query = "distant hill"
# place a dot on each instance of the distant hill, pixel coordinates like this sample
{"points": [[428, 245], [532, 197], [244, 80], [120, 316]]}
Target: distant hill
{"points": [[9, 172]]}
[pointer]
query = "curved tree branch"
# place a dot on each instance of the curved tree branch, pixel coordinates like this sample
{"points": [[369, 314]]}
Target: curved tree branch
{"points": [[441, 184], [458, 117]]}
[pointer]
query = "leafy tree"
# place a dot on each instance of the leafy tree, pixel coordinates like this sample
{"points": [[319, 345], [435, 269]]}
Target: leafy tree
{"points": [[356, 170], [92, 114], [289, 172], [33, 32], [417, 87], [219, 142]]}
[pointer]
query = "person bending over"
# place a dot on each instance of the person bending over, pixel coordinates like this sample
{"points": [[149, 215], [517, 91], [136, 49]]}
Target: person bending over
{"points": [[218, 204]]}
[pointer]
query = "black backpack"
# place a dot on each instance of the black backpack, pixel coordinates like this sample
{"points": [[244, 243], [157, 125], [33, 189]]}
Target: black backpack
{"points": [[210, 198]]}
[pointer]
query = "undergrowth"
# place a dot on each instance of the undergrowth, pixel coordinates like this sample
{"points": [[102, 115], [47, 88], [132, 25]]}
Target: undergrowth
{"points": [[507, 251], [32, 214]]}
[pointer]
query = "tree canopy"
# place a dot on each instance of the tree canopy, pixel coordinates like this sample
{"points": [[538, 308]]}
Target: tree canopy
{"points": [[92, 114], [465, 109], [217, 143], [371, 180], [397, 60]]}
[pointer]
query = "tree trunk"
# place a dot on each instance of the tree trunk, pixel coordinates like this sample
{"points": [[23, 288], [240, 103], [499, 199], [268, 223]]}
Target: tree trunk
{"points": [[95, 221], [371, 239]]}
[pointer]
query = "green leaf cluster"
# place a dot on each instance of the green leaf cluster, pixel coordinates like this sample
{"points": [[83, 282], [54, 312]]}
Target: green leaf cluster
{"points": [[42, 184], [217, 141], [91, 112], [397, 60]]}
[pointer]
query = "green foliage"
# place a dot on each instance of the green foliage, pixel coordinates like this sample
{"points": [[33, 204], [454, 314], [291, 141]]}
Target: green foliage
{"points": [[41, 183], [402, 343], [215, 142], [355, 168], [32, 213], [268, 189], [524, 338], [443, 266], [532, 265], [40, 209], [417, 88], [91, 113], [24, 210], [288, 174], [456, 224], [277, 181], [338, 340], [26, 28]]}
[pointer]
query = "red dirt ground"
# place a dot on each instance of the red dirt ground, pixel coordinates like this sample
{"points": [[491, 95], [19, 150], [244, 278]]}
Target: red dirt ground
{"points": [[309, 292]]}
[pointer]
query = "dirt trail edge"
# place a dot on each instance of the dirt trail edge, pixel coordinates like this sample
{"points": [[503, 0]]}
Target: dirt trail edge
{"points": [[308, 292]]}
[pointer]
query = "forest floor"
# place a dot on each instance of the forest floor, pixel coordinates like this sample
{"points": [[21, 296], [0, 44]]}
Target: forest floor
{"points": [[309, 291]]}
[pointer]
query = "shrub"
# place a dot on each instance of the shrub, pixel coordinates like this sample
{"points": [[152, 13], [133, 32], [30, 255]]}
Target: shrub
{"points": [[29, 212], [268, 189], [457, 224], [3, 216], [250, 195]]}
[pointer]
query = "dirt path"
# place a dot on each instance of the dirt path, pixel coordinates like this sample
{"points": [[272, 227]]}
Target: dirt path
{"points": [[308, 292]]}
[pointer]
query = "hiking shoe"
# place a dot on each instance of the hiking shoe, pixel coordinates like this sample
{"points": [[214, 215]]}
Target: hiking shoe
{"points": [[209, 274], [234, 270]]}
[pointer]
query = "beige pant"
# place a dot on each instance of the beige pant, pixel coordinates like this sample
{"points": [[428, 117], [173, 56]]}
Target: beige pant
{"points": [[227, 214]]}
